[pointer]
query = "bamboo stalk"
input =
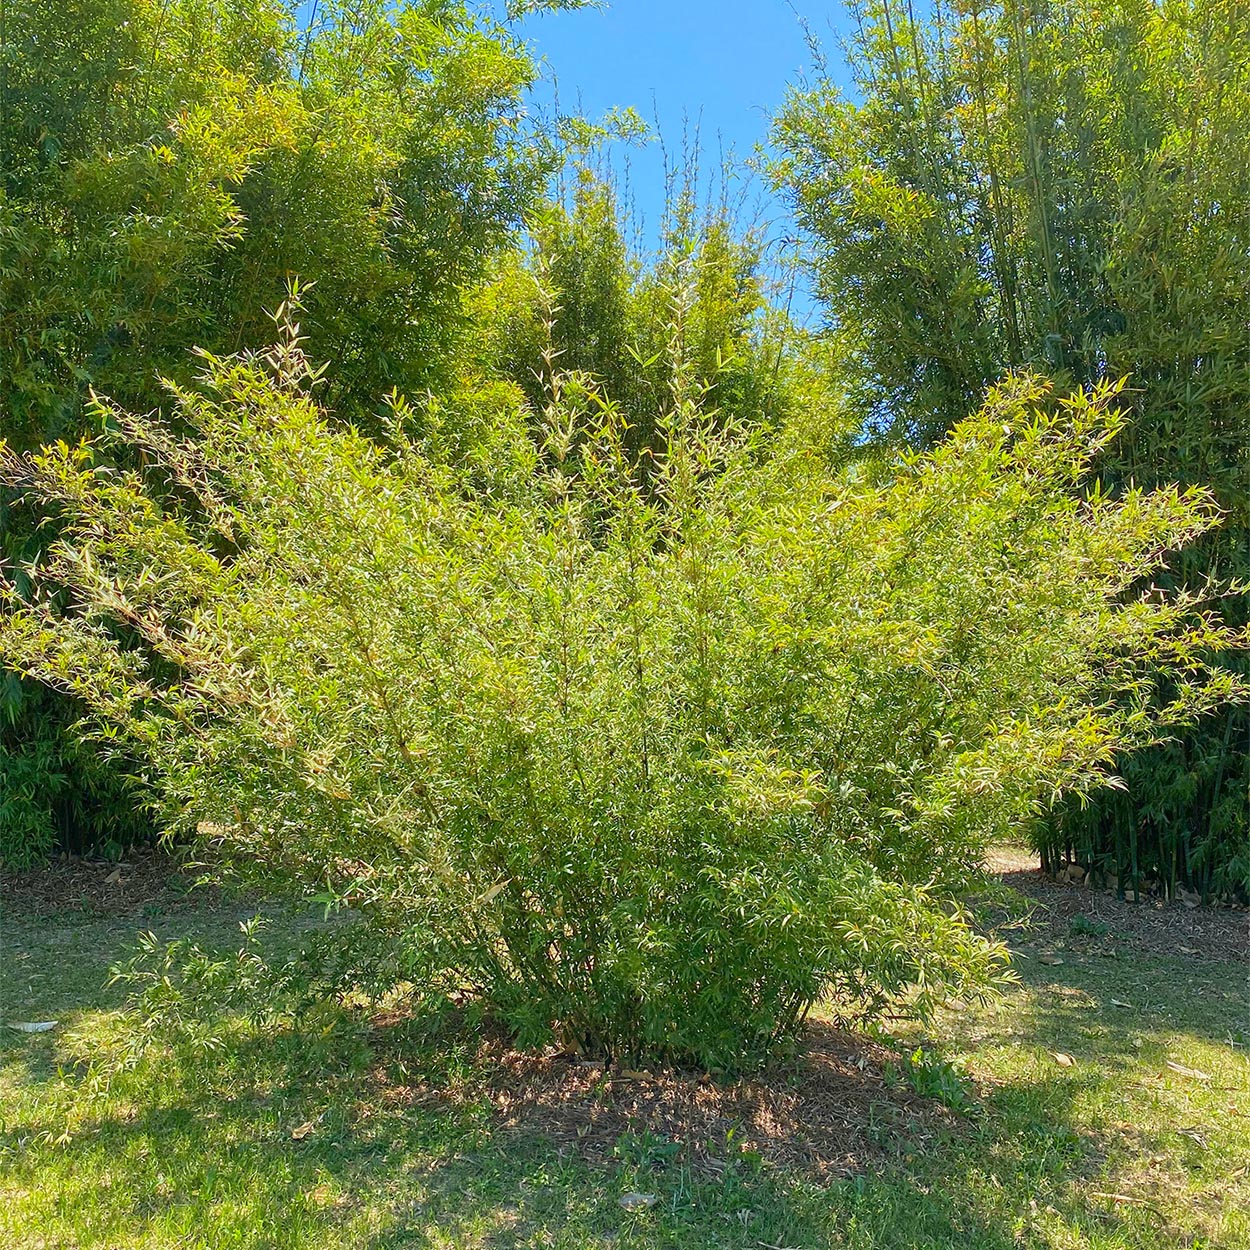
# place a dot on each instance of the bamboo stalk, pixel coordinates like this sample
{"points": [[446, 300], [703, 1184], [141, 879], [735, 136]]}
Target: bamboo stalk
{"points": [[1033, 146]]}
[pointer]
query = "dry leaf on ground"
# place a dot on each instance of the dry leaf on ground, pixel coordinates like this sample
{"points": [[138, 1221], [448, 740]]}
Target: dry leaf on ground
{"points": [[1192, 1073], [637, 1202]]}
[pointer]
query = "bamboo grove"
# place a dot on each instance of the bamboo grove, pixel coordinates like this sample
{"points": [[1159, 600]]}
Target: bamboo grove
{"points": [[1063, 187]]}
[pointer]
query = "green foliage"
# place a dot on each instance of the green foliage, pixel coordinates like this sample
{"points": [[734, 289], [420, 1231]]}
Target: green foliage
{"points": [[932, 1077], [524, 8], [646, 1151], [651, 761], [583, 302], [1064, 187], [30, 777], [166, 166], [186, 996], [54, 790], [1083, 926]]}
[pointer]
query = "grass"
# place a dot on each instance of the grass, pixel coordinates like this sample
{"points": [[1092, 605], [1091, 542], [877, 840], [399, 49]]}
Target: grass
{"points": [[286, 1142]]}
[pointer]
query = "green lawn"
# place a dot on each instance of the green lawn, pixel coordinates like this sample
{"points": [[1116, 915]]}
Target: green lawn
{"points": [[1115, 1149]]}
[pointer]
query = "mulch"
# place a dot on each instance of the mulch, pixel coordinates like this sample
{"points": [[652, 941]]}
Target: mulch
{"points": [[812, 1114], [1151, 927], [146, 879]]}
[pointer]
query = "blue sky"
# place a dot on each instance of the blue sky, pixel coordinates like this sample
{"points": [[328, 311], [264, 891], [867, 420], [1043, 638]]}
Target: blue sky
{"points": [[720, 65]]}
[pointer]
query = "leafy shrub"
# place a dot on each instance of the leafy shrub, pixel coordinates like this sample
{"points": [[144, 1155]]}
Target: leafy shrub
{"points": [[54, 792], [29, 781], [1085, 926], [646, 1151], [650, 768]]}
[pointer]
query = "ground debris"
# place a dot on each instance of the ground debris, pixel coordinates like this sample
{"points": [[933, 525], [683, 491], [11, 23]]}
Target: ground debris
{"points": [[73, 884], [1153, 926], [828, 1112], [637, 1202]]}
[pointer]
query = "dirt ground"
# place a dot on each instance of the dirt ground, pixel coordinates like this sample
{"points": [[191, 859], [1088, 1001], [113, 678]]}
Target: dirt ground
{"points": [[1068, 915], [828, 1112], [145, 880]]}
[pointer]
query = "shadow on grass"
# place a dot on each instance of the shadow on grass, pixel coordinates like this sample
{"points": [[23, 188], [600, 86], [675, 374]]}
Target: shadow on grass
{"points": [[289, 1141], [283, 1141], [1114, 1012]]}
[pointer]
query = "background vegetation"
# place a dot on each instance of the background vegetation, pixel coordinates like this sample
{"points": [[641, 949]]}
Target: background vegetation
{"points": [[1063, 187], [167, 166]]}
